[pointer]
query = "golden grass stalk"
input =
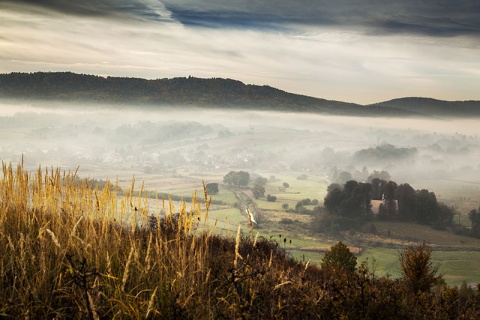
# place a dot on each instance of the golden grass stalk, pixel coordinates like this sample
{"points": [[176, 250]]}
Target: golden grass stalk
{"points": [[54, 238], [150, 302], [237, 246], [92, 307], [127, 268]]}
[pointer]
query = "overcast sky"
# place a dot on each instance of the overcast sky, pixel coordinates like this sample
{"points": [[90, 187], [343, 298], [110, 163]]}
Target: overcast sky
{"points": [[356, 51]]}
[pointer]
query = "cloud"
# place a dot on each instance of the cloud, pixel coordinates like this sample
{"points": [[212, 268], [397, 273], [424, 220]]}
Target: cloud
{"points": [[439, 18], [119, 9], [430, 18], [361, 53]]}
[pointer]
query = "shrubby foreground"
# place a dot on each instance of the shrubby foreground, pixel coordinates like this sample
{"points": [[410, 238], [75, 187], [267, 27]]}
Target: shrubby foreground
{"points": [[72, 251]]}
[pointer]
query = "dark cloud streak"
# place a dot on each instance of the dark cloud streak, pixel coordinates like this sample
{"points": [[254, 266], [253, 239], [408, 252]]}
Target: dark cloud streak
{"points": [[437, 18], [440, 18], [93, 8]]}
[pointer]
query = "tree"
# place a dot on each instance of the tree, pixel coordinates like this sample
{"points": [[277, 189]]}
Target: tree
{"points": [[340, 259], [258, 191], [286, 185], [243, 179], [333, 200], [350, 206], [426, 207], [231, 178], [378, 188], [271, 198], [474, 217], [344, 176], [237, 178], [212, 188], [418, 272], [405, 195], [383, 175], [261, 181]]}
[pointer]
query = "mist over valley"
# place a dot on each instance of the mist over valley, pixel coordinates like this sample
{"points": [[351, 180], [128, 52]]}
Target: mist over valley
{"points": [[239, 160]]}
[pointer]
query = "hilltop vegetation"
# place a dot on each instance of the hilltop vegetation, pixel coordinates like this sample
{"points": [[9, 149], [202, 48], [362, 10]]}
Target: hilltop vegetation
{"points": [[428, 106], [214, 92], [71, 251]]}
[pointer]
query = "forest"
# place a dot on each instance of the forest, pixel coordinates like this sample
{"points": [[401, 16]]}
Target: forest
{"points": [[208, 93]]}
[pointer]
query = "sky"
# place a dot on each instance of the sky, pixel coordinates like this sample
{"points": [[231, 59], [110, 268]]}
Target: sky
{"points": [[356, 51]]}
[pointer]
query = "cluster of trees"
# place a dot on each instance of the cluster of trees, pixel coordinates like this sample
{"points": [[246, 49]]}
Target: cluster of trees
{"points": [[339, 176], [385, 152], [237, 178], [419, 293], [350, 205], [300, 206], [407, 204], [347, 206]]}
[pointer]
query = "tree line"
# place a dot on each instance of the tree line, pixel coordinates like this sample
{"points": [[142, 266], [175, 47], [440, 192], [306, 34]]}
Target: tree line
{"points": [[184, 91]]}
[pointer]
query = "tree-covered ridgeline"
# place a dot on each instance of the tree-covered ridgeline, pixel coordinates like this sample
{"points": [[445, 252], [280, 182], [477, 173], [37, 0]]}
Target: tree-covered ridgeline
{"points": [[213, 92]]}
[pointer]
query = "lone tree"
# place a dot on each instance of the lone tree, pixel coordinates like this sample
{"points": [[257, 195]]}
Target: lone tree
{"points": [[418, 272], [261, 181], [339, 258], [258, 191], [237, 178], [212, 188]]}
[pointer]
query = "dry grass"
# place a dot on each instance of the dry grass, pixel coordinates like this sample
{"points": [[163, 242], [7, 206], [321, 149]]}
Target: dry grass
{"points": [[71, 251]]}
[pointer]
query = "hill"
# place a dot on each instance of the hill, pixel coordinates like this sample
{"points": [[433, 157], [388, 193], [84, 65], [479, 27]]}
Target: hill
{"points": [[428, 106], [215, 92]]}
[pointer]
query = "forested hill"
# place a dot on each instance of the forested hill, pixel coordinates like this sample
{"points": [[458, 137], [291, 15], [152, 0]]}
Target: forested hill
{"points": [[209, 93], [215, 92], [428, 106]]}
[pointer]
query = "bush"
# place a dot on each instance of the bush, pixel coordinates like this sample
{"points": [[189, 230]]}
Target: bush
{"points": [[271, 198], [286, 221]]}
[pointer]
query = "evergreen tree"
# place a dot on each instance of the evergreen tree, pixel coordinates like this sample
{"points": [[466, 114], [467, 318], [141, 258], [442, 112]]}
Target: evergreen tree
{"points": [[339, 258]]}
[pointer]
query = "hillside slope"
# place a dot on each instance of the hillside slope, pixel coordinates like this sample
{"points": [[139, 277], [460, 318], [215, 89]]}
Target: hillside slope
{"points": [[215, 92], [428, 106]]}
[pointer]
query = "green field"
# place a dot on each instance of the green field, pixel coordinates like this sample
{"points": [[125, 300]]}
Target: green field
{"points": [[457, 256]]}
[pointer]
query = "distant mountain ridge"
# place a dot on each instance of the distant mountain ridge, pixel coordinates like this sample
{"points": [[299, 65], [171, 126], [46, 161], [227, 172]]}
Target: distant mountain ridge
{"points": [[214, 93], [429, 106]]}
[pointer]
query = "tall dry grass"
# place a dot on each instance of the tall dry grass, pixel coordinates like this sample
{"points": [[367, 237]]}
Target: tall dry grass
{"points": [[71, 250]]}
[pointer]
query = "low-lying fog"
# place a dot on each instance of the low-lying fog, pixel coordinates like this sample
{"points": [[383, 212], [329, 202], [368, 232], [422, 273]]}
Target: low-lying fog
{"points": [[161, 140]]}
